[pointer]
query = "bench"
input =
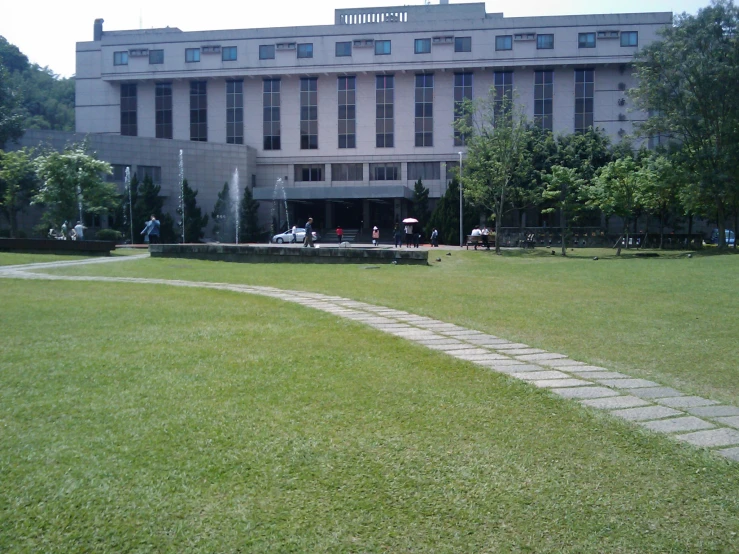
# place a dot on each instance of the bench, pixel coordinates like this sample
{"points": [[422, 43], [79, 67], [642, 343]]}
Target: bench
{"points": [[475, 240], [529, 241]]}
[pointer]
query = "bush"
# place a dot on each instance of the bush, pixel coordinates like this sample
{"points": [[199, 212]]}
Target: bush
{"points": [[109, 234]]}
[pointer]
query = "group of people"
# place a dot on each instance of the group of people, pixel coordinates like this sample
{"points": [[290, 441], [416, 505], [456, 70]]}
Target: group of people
{"points": [[484, 233], [75, 233]]}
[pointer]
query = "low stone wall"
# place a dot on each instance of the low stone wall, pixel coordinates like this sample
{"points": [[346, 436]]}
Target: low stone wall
{"points": [[288, 254], [53, 246]]}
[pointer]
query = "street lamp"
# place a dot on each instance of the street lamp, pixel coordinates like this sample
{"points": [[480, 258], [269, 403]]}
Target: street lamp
{"points": [[461, 223]]}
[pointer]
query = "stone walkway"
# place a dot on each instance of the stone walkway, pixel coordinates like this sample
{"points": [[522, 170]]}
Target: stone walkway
{"points": [[691, 419]]}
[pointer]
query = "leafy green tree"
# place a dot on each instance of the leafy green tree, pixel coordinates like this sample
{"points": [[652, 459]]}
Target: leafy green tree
{"points": [[223, 217], [689, 83], [70, 177], [11, 119], [659, 182], [194, 220], [18, 183], [421, 205], [248, 217], [563, 189]]}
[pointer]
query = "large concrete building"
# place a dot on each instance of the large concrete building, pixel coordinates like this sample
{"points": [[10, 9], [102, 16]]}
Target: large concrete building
{"points": [[348, 116]]}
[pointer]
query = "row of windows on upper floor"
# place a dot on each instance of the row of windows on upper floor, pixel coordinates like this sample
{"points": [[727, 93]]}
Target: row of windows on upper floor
{"points": [[381, 47]]}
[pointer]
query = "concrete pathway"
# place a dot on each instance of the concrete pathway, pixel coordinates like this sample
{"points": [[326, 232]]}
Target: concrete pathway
{"points": [[691, 419]]}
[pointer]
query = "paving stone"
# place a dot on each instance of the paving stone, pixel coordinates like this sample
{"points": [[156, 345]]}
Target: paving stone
{"points": [[536, 375], [479, 357], [730, 421], [412, 334], [686, 402], [447, 347], [585, 392], [511, 346], [471, 352], [560, 362], [627, 383], [677, 424], [646, 413], [731, 453], [714, 437], [438, 341], [560, 383], [523, 351], [466, 333], [615, 402], [581, 367], [656, 392], [600, 374], [393, 326], [715, 411], [540, 356], [496, 364]]}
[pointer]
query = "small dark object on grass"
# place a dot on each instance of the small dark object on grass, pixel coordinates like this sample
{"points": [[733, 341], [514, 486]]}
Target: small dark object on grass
{"points": [[438, 259], [595, 258], [395, 262], [448, 253], [553, 252], [377, 266], [690, 255]]}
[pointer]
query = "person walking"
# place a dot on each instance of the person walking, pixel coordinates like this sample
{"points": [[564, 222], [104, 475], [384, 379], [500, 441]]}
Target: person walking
{"points": [[375, 235], [151, 230], [398, 236], [408, 235], [435, 238], [340, 234], [308, 240], [295, 235]]}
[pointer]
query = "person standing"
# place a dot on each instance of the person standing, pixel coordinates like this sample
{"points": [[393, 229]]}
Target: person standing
{"points": [[340, 234], [398, 236], [151, 230], [375, 235], [435, 238], [485, 236], [416, 239], [295, 234], [408, 235], [308, 240], [65, 229], [79, 230]]}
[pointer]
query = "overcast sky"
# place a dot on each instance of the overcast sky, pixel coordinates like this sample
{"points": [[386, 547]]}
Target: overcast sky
{"points": [[47, 30]]}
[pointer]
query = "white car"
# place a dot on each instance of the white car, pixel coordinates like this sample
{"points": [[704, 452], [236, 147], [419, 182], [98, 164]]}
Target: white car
{"points": [[287, 236]]}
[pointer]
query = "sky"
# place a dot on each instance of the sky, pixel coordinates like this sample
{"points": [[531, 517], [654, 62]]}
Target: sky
{"points": [[46, 30]]}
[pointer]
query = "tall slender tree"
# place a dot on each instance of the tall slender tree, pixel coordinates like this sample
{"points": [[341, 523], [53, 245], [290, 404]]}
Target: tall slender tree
{"points": [[18, 184], [195, 221]]}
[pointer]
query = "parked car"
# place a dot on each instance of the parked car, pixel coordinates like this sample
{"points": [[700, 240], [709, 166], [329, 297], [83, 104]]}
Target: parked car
{"points": [[287, 236], [730, 237]]}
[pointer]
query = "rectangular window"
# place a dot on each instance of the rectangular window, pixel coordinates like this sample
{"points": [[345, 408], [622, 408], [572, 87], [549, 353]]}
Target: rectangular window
{"points": [[544, 42], [128, 110], [309, 113], [462, 92], [629, 38], [120, 58], [503, 82], [347, 172], [586, 40], [235, 112], [424, 110], [192, 55], [267, 52], [118, 175], [382, 47], [198, 111], [156, 57], [271, 117], [385, 172], [152, 171], [163, 110], [347, 112], [228, 53], [543, 94], [584, 91], [305, 50], [504, 42], [424, 171], [463, 44], [422, 46], [385, 107], [309, 172], [343, 49]]}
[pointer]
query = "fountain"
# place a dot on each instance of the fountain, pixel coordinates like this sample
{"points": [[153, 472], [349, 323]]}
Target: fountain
{"points": [[181, 209], [233, 194], [127, 189], [279, 183]]}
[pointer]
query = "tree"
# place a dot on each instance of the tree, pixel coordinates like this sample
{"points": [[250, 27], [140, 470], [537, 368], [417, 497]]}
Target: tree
{"points": [[72, 178], [659, 183], [689, 83], [563, 187], [223, 216], [445, 217], [18, 183], [248, 217], [194, 220], [11, 119], [421, 205]]}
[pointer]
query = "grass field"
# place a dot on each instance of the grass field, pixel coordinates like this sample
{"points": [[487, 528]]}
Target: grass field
{"points": [[139, 418]]}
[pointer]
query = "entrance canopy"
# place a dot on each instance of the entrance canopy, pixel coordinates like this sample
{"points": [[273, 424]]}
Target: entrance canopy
{"points": [[352, 192]]}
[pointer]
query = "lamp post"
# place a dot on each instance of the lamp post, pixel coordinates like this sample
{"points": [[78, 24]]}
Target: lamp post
{"points": [[461, 223]]}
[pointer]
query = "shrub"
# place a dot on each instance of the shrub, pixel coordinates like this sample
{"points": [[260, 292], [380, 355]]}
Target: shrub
{"points": [[108, 234]]}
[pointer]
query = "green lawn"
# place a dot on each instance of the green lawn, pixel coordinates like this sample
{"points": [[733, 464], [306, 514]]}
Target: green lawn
{"points": [[149, 418], [670, 319]]}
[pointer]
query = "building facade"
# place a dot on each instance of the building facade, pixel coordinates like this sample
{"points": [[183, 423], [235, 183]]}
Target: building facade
{"points": [[346, 117]]}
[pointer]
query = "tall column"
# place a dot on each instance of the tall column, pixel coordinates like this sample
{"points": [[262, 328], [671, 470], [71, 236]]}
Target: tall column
{"points": [[366, 214], [329, 219]]}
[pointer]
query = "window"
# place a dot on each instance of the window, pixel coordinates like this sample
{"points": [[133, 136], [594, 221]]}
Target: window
{"points": [[504, 42], [267, 52], [424, 110], [503, 83], [228, 53], [154, 172], [235, 112], [120, 58], [192, 55], [309, 172], [422, 46], [544, 42], [385, 107], [347, 172], [128, 110], [462, 92], [543, 93], [305, 50], [586, 40], [163, 110], [343, 49], [118, 175], [382, 47], [463, 44], [309, 113], [584, 90], [198, 111], [424, 170], [385, 172], [156, 57], [629, 38], [347, 112], [271, 117]]}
